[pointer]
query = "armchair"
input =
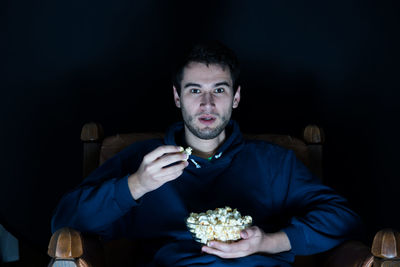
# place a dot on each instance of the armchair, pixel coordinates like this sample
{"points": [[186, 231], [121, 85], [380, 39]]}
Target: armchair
{"points": [[69, 247]]}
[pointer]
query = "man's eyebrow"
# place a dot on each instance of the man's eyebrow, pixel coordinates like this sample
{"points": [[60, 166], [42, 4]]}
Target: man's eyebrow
{"points": [[221, 83], [192, 85]]}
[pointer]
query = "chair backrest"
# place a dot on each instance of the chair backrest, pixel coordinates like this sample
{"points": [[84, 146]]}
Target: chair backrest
{"points": [[114, 144], [97, 150]]}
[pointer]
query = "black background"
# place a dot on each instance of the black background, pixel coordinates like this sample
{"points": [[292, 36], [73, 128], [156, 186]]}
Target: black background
{"points": [[64, 63]]}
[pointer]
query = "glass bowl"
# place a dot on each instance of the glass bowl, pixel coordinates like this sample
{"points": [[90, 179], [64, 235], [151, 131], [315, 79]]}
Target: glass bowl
{"points": [[219, 232]]}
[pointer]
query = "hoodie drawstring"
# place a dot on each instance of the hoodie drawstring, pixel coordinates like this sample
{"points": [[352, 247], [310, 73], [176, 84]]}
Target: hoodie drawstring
{"points": [[195, 163], [218, 156]]}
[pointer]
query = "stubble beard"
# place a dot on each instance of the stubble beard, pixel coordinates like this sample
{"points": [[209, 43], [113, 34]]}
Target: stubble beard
{"points": [[205, 133]]}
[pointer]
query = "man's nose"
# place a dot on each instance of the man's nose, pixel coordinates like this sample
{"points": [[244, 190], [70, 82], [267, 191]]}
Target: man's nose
{"points": [[207, 100]]}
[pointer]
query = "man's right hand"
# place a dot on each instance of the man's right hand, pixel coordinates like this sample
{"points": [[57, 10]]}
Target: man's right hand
{"points": [[153, 172]]}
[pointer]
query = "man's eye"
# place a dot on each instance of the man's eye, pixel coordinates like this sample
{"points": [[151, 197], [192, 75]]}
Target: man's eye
{"points": [[195, 91], [219, 90]]}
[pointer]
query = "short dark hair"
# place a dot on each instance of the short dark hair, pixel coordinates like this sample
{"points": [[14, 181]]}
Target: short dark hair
{"points": [[210, 52]]}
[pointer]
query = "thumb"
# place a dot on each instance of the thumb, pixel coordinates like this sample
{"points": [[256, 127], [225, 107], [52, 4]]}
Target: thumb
{"points": [[247, 233]]}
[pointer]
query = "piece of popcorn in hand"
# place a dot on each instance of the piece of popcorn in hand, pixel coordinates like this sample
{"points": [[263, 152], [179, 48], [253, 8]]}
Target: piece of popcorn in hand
{"points": [[187, 151]]}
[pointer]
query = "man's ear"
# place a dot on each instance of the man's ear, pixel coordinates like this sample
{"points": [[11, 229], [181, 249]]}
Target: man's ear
{"points": [[236, 98], [177, 99]]}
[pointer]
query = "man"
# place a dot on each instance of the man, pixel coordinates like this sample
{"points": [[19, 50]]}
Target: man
{"points": [[146, 191]]}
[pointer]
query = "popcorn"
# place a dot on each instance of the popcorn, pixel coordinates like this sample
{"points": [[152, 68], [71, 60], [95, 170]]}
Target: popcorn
{"points": [[222, 224], [187, 151]]}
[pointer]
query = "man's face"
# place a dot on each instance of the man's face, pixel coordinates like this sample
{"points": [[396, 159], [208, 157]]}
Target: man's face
{"points": [[206, 99]]}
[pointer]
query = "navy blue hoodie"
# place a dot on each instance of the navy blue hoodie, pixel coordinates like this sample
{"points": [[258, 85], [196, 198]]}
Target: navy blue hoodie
{"points": [[258, 178]]}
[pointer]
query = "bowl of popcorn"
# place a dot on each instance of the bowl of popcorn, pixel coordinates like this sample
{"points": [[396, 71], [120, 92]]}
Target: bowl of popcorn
{"points": [[221, 224]]}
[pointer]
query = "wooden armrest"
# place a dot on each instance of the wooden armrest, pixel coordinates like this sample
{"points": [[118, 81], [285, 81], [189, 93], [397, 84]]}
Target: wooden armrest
{"points": [[349, 254], [66, 243], [385, 252], [386, 248], [70, 245]]}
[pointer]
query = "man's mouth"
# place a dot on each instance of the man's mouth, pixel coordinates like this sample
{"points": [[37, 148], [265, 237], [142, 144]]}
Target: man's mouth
{"points": [[207, 119]]}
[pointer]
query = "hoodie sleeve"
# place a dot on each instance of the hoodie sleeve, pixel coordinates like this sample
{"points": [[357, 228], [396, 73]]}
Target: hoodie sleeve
{"points": [[321, 218], [101, 200]]}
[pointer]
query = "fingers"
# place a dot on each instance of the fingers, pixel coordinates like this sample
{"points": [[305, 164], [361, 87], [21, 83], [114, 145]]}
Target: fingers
{"points": [[158, 168], [227, 251], [248, 245], [218, 253], [249, 232], [230, 247], [175, 170], [159, 151], [168, 159], [171, 177], [153, 173]]}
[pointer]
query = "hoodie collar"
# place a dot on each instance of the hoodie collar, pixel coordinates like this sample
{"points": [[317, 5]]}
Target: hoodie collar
{"points": [[232, 144]]}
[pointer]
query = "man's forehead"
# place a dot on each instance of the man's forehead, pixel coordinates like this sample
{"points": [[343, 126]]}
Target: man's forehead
{"points": [[201, 72]]}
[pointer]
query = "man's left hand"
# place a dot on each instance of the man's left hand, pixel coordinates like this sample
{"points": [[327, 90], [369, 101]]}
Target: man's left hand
{"points": [[253, 240]]}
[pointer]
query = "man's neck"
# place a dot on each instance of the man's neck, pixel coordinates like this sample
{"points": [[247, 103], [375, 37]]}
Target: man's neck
{"points": [[201, 147]]}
